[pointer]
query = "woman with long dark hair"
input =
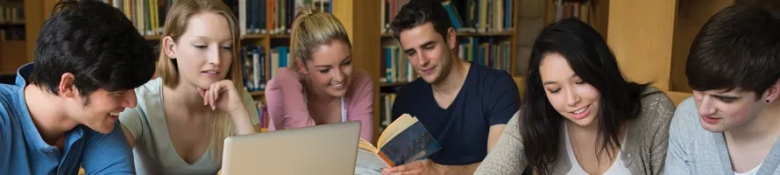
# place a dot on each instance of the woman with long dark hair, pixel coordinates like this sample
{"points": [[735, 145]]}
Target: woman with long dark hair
{"points": [[579, 114]]}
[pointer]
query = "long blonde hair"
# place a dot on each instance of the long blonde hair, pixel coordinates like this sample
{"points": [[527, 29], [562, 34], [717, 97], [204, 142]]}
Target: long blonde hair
{"points": [[221, 125], [312, 29]]}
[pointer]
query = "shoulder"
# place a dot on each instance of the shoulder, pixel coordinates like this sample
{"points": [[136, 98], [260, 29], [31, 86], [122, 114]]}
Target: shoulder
{"points": [[361, 78], [152, 88], [657, 107], [148, 100], [489, 76], [686, 116], [285, 76], [362, 84], [8, 104], [413, 88]]}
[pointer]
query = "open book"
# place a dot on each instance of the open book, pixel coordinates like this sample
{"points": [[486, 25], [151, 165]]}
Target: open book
{"points": [[405, 140]]}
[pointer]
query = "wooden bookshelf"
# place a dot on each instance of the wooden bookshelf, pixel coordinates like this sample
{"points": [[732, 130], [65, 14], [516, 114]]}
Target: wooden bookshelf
{"points": [[651, 48]]}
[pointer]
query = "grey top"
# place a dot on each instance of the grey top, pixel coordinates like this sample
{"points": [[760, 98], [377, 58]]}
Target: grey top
{"points": [[153, 151], [694, 150], [644, 149]]}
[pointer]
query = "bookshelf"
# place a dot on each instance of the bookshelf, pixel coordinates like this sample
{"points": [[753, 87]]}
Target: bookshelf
{"points": [[12, 35]]}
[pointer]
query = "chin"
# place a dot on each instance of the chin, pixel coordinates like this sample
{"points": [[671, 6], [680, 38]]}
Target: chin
{"points": [[712, 128], [337, 93], [103, 128]]}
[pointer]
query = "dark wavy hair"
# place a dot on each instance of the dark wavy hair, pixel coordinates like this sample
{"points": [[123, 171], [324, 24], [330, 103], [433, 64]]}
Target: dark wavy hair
{"points": [[592, 60]]}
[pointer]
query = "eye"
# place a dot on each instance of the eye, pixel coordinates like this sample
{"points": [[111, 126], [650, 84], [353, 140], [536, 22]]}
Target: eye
{"points": [[410, 53], [554, 91], [579, 82], [227, 47], [201, 46], [346, 63], [727, 99], [324, 70], [428, 47]]}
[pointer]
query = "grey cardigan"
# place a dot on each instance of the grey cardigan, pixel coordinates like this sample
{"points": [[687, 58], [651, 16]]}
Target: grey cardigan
{"points": [[644, 151], [694, 150]]}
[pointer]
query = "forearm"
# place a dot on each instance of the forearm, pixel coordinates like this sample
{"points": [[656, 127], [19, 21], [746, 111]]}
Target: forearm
{"points": [[242, 122], [458, 169]]}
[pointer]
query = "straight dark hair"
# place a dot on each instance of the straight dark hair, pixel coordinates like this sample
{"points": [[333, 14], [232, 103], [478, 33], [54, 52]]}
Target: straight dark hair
{"points": [[738, 48], [592, 60]]}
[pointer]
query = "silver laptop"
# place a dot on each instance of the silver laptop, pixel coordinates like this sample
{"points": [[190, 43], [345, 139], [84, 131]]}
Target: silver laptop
{"points": [[322, 149]]}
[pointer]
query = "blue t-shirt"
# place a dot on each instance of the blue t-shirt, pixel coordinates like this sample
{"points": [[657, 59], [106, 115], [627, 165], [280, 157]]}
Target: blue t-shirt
{"points": [[488, 97], [23, 151]]}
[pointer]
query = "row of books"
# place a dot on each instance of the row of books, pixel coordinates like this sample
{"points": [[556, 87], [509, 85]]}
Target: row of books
{"points": [[262, 112], [385, 110], [254, 16], [148, 16], [12, 34], [11, 14], [273, 16], [491, 52], [396, 66], [562, 9], [476, 16], [255, 65]]}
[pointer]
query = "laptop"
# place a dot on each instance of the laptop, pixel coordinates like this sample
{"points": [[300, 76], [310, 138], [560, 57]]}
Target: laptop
{"points": [[322, 149]]}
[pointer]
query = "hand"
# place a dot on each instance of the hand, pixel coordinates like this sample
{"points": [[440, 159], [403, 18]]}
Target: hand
{"points": [[222, 95], [425, 166]]}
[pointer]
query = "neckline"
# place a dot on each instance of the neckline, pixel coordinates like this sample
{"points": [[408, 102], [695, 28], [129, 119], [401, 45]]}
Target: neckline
{"points": [[466, 83], [723, 153], [169, 140], [573, 159]]}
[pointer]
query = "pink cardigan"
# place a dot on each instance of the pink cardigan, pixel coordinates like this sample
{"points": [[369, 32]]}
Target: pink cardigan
{"points": [[286, 106]]}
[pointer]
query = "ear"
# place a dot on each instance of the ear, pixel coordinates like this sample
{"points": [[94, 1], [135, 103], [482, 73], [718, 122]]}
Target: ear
{"points": [[167, 46], [66, 88], [301, 67], [452, 36], [772, 93]]}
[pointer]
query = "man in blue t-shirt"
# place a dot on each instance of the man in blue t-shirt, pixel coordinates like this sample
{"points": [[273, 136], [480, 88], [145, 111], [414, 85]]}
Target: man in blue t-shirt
{"points": [[61, 114], [464, 106]]}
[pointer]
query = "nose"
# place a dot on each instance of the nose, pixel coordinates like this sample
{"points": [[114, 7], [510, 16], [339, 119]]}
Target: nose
{"points": [[571, 97], [705, 106], [129, 100], [338, 74], [421, 60], [212, 57]]}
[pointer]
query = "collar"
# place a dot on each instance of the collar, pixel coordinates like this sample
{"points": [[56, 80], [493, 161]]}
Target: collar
{"points": [[30, 131]]}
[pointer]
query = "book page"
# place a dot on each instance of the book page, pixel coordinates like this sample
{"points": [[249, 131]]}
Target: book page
{"points": [[395, 128], [366, 145], [369, 163]]}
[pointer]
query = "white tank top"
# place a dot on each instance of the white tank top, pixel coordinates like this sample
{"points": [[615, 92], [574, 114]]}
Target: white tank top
{"points": [[751, 172], [343, 109], [617, 168]]}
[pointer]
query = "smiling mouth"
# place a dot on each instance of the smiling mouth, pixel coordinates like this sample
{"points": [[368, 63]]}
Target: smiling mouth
{"points": [[581, 110], [339, 85], [210, 72]]}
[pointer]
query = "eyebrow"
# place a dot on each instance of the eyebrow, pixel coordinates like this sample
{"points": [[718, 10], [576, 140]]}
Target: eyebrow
{"points": [[342, 61], [554, 82], [201, 37], [422, 45], [725, 96]]}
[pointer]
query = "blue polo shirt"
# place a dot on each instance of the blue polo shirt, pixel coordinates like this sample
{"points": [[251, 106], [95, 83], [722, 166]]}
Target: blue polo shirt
{"points": [[23, 151], [488, 97]]}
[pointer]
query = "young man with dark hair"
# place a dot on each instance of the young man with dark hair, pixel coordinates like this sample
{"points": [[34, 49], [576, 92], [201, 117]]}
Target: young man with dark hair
{"points": [[464, 106], [731, 125], [62, 113]]}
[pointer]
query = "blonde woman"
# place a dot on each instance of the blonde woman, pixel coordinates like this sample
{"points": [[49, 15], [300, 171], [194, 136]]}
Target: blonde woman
{"points": [[184, 115], [321, 86]]}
